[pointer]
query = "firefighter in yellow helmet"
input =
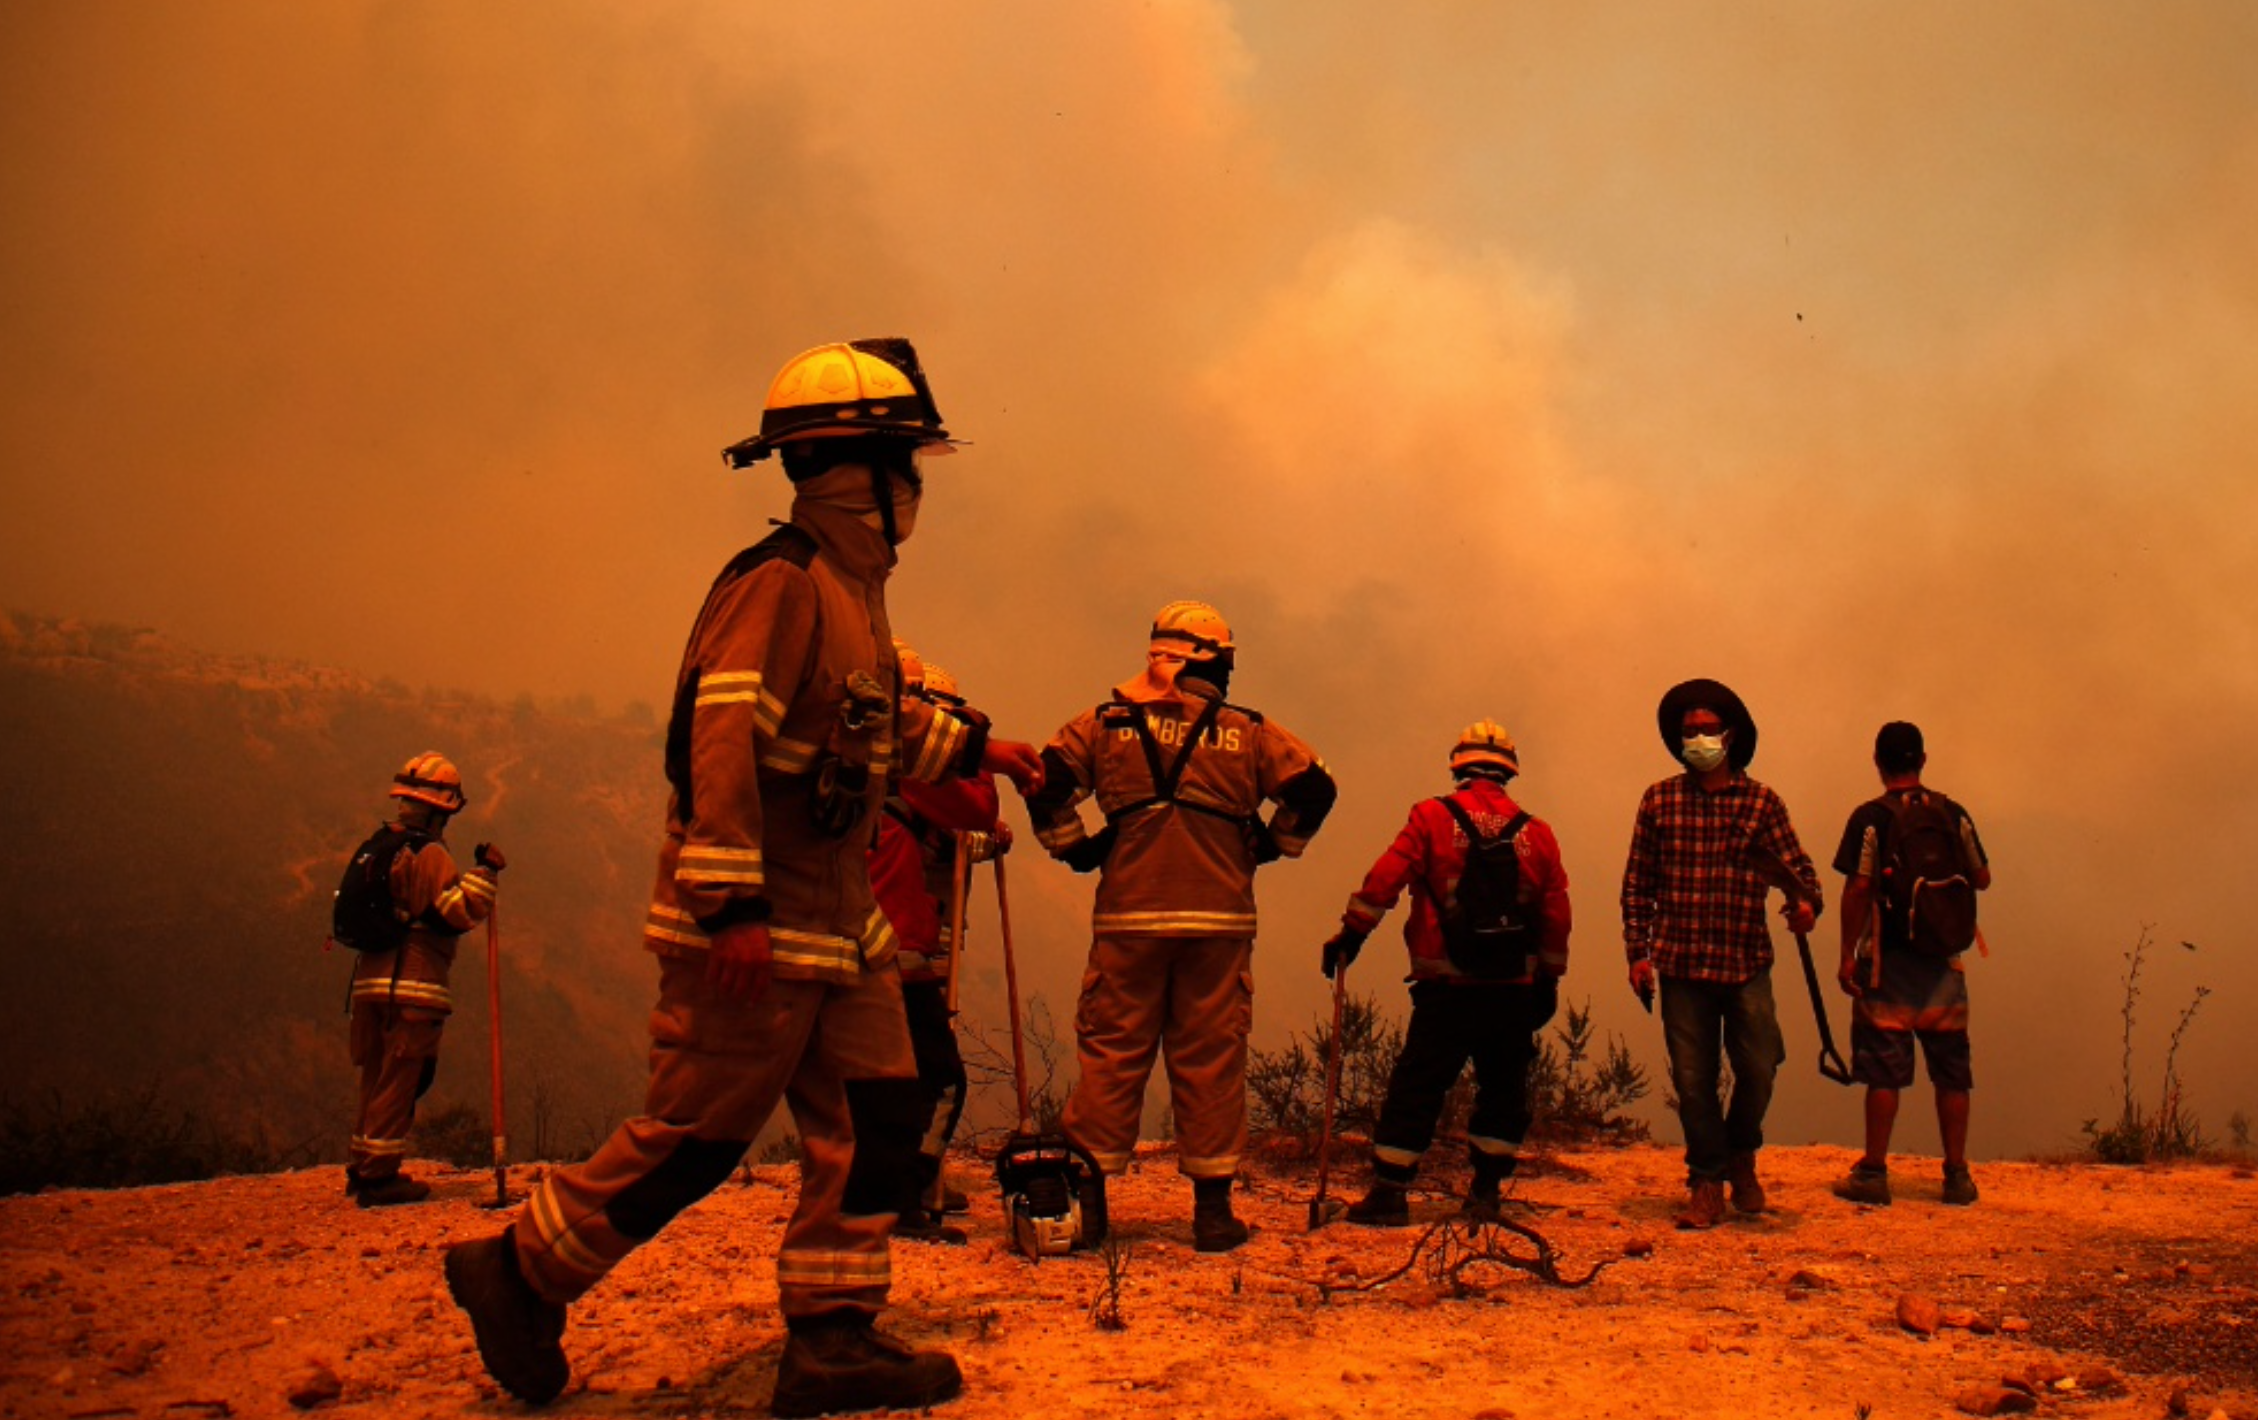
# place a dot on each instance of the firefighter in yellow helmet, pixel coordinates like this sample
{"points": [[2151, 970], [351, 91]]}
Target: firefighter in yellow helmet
{"points": [[1180, 777], [776, 966], [401, 908]]}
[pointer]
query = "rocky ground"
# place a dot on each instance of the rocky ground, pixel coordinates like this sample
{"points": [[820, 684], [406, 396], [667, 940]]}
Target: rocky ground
{"points": [[2107, 1292]]}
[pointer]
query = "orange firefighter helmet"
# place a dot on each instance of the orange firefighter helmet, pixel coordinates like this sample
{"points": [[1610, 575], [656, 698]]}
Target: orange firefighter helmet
{"points": [[1484, 745], [855, 387], [1196, 627], [431, 778], [941, 687], [913, 667]]}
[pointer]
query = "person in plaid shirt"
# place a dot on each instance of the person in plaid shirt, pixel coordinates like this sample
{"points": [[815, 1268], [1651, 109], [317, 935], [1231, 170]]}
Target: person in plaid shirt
{"points": [[1693, 918]]}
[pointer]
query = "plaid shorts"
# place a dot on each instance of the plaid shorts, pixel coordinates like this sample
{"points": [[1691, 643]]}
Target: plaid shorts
{"points": [[1921, 998]]}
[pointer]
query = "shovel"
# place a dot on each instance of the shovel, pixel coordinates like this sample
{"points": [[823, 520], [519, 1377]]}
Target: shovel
{"points": [[1768, 866], [1323, 1210], [494, 1035]]}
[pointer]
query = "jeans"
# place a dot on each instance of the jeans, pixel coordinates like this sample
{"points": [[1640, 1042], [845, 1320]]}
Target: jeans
{"points": [[1696, 1017]]}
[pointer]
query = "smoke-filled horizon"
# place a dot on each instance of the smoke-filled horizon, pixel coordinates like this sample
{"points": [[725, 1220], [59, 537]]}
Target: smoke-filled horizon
{"points": [[1883, 362]]}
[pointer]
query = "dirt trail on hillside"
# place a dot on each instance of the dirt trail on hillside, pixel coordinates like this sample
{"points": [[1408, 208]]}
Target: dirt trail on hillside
{"points": [[221, 1298]]}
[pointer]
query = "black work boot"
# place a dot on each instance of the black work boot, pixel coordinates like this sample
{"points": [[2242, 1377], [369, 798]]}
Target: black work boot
{"points": [[391, 1192], [1385, 1205], [917, 1225], [839, 1362], [1490, 1174], [352, 1182], [518, 1331], [1214, 1227], [1091, 1195]]}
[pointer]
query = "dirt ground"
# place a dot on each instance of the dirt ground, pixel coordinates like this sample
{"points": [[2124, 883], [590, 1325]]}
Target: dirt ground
{"points": [[2120, 1292]]}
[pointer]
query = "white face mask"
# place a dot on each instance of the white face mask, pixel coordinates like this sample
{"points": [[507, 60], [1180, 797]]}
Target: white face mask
{"points": [[1703, 753]]}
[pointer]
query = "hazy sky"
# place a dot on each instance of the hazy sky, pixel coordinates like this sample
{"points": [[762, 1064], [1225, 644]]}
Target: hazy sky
{"points": [[1477, 359]]}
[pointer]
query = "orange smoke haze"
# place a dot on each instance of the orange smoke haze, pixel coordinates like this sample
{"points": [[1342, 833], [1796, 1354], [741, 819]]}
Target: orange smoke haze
{"points": [[1882, 361]]}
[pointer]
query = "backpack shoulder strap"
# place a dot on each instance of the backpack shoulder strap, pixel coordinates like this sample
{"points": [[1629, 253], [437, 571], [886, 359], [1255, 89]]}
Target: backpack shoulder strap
{"points": [[1474, 835]]}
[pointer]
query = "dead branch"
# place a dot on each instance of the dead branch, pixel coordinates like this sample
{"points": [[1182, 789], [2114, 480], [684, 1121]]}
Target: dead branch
{"points": [[1448, 1251]]}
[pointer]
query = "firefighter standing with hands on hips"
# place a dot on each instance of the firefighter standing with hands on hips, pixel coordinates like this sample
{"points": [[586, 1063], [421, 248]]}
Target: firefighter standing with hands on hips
{"points": [[1181, 777], [400, 1001], [776, 966]]}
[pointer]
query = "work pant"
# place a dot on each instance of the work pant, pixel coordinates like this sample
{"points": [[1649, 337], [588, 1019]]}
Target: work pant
{"points": [[397, 1050], [1190, 999], [941, 1078], [1451, 1022], [838, 1055], [1696, 1017]]}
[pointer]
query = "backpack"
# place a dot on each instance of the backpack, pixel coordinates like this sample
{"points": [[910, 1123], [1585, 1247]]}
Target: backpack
{"points": [[364, 917], [1490, 934], [1925, 887]]}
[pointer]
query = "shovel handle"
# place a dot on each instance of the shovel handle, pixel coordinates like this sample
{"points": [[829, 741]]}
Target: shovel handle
{"points": [[1332, 1084], [494, 1050]]}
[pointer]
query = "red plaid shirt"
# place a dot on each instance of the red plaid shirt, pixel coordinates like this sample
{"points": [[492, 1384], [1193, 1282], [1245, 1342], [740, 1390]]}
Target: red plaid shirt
{"points": [[1691, 902]]}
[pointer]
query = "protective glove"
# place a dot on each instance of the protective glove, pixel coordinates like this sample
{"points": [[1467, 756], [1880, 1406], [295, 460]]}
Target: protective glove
{"points": [[1342, 950], [1090, 854], [489, 856], [1262, 844]]}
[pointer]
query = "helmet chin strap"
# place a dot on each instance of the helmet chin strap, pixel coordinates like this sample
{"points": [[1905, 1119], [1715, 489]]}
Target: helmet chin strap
{"points": [[882, 493]]}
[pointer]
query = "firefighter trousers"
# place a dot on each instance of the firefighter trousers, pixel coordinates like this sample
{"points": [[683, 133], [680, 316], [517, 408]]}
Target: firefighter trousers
{"points": [[1188, 999], [1494, 1025], [839, 1056], [397, 1050]]}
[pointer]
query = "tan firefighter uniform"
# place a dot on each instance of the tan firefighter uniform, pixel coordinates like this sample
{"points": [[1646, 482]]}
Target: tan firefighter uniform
{"points": [[401, 1003], [787, 715], [1170, 969]]}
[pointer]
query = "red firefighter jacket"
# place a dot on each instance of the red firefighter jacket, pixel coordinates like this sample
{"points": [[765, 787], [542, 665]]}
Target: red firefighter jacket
{"points": [[787, 707], [916, 852], [1428, 856]]}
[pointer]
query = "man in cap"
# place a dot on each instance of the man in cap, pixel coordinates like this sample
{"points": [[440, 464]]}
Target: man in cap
{"points": [[400, 1001], [776, 967], [1489, 943], [1180, 776], [1693, 919], [1913, 865]]}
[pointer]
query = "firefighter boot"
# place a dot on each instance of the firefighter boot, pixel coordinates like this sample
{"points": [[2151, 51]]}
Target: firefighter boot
{"points": [[1383, 1206], [1214, 1227], [518, 1331], [391, 1192], [838, 1362], [920, 1219], [1482, 1205]]}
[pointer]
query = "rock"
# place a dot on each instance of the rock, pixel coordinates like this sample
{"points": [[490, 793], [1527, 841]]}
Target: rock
{"points": [[1638, 1245], [1983, 1325], [134, 1358], [2178, 1402], [2014, 1325], [1797, 1294], [1961, 1317], [2100, 1380], [1809, 1280], [1698, 1343], [2043, 1372], [318, 1386], [1918, 1314], [2201, 1270], [1994, 1400]]}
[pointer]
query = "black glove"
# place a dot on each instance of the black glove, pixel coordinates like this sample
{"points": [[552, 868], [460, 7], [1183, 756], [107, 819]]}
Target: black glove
{"points": [[1261, 843], [489, 857], [1342, 950], [1090, 854]]}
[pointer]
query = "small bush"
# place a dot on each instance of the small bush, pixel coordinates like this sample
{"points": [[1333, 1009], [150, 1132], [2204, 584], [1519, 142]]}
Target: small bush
{"points": [[454, 1132], [125, 1140], [2171, 1131]]}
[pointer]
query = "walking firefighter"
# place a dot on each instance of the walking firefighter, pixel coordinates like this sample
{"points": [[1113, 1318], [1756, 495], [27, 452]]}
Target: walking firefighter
{"points": [[402, 907], [915, 872], [1180, 776], [1489, 943], [776, 967]]}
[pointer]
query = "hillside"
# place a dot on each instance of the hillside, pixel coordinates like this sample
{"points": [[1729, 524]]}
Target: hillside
{"points": [[177, 822], [2114, 1293]]}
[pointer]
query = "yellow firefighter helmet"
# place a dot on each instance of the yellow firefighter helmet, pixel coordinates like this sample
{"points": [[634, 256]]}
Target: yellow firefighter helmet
{"points": [[1196, 626], [1484, 745], [913, 667], [941, 687], [853, 387], [431, 778]]}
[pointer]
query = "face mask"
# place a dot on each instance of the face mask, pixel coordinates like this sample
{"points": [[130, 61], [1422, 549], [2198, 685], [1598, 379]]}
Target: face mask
{"points": [[1703, 753]]}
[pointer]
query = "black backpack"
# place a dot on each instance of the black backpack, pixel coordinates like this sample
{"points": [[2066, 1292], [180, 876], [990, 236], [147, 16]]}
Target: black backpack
{"points": [[364, 916], [1925, 887], [1491, 933]]}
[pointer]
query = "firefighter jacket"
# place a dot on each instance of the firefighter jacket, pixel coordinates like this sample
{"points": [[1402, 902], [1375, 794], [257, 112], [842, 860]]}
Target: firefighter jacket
{"points": [[1428, 856], [923, 823], [787, 725], [1181, 778], [442, 903]]}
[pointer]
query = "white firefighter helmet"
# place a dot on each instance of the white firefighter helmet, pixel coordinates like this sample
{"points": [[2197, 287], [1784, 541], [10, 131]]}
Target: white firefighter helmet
{"points": [[430, 778]]}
